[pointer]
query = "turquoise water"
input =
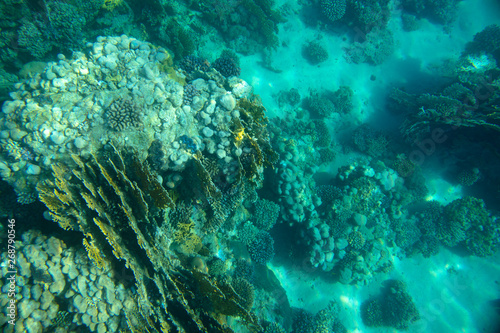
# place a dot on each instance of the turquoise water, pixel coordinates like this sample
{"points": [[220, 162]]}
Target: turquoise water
{"points": [[250, 166]]}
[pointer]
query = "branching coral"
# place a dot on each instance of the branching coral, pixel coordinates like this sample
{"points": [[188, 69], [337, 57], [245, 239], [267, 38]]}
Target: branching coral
{"points": [[470, 101], [266, 213], [377, 48], [314, 53], [394, 308], [467, 220], [334, 10], [441, 11], [262, 248]]}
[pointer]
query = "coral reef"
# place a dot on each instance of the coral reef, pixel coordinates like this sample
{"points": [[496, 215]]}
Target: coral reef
{"points": [[247, 25], [468, 221], [369, 15], [119, 206], [62, 289], [342, 99], [261, 248], [180, 207], [393, 308], [324, 321], [227, 66], [123, 113], [319, 105], [266, 214], [485, 41], [370, 141], [71, 111], [314, 53], [378, 46], [333, 9], [441, 11], [291, 97], [167, 176]]}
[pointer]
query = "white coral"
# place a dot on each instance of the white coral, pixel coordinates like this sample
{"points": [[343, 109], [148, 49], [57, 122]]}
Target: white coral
{"points": [[479, 64]]}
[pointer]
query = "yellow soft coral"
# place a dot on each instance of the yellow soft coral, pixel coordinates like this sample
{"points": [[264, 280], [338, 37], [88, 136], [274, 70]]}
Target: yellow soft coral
{"points": [[111, 4], [93, 252], [186, 240]]}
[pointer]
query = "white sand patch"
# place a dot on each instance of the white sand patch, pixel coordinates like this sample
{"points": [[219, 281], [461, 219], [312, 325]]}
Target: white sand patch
{"points": [[452, 293]]}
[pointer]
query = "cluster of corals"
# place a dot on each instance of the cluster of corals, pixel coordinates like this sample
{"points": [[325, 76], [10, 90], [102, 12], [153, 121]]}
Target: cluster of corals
{"points": [[377, 48], [246, 18], [117, 204], [266, 213], [319, 105], [62, 290], [469, 177], [191, 63], [189, 92], [370, 141], [367, 15], [342, 99], [457, 105], [486, 41], [123, 114], [325, 320], [463, 223], [351, 215], [393, 308], [321, 133], [333, 10], [290, 97], [261, 248], [314, 52], [440, 11], [227, 66], [468, 222]]}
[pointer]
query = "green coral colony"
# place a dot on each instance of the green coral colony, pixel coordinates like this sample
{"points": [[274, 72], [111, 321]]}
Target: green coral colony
{"points": [[172, 193]]}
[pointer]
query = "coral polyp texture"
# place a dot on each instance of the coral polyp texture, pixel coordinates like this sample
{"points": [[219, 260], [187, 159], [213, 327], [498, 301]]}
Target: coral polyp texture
{"points": [[333, 9]]}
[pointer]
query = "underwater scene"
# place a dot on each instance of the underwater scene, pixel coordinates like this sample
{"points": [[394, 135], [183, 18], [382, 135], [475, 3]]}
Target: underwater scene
{"points": [[260, 166]]}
